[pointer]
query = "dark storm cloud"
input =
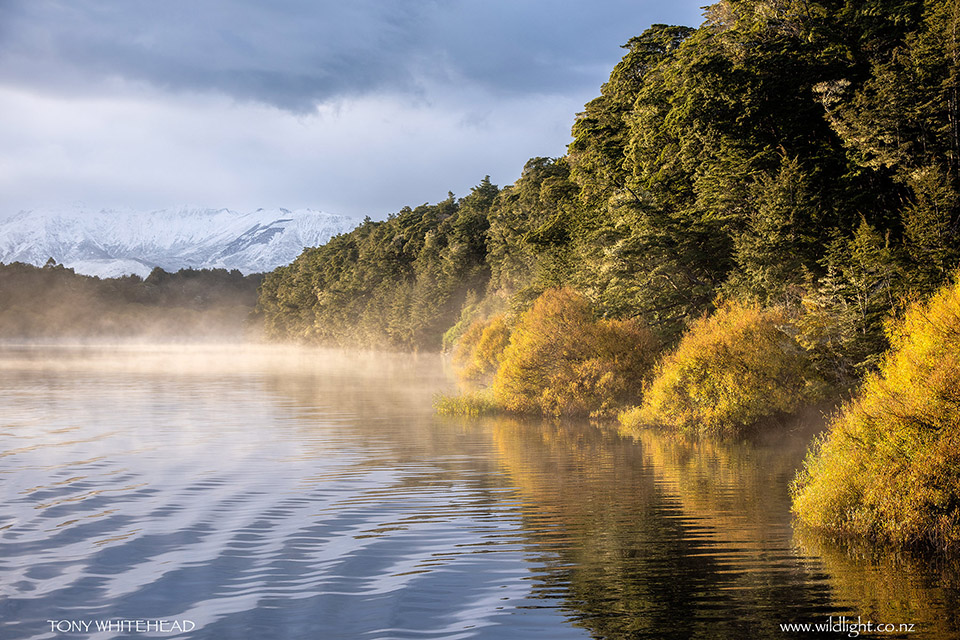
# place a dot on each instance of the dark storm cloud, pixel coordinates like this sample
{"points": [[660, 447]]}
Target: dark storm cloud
{"points": [[294, 54]]}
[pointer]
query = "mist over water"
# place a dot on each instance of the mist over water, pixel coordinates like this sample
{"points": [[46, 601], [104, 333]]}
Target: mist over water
{"points": [[274, 492]]}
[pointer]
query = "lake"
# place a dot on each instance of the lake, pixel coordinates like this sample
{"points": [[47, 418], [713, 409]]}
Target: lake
{"points": [[268, 492]]}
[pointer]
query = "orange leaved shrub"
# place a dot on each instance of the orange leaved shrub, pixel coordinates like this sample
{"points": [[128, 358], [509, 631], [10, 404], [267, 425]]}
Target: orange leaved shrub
{"points": [[563, 360]]}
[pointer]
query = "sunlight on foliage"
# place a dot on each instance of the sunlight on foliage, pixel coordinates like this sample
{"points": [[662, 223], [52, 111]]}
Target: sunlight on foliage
{"points": [[562, 360], [466, 344], [889, 469], [729, 371], [476, 356], [472, 404]]}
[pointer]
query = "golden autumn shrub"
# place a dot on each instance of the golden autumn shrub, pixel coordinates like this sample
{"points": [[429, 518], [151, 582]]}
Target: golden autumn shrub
{"points": [[462, 353], [889, 467], [478, 353], [730, 370], [562, 360]]}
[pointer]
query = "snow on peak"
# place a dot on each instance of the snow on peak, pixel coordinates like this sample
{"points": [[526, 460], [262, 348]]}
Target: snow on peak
{"points": [[113, 242]]}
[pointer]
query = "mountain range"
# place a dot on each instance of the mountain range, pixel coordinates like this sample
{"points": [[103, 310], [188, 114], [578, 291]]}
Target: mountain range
{"points": [[114, 242]]}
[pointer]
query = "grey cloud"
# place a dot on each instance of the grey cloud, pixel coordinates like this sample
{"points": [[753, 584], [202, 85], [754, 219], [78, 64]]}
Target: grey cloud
{"points": [[294, 54], [287, 53]]}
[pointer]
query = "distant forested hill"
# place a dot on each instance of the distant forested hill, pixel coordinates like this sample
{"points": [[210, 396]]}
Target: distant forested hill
{"points": [[787, 152], [53, 302]]}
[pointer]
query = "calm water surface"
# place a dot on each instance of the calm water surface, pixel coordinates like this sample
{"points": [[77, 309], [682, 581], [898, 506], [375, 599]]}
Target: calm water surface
{"points": [[258, 493]]}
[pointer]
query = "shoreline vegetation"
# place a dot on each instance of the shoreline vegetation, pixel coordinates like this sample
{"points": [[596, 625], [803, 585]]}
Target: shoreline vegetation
{"points": [[755, 216], [889, 468], [748, 223]]}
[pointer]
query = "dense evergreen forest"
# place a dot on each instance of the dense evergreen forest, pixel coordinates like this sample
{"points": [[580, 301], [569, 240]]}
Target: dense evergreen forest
{"points": [[55, 302], [750, 219], [785, 152]]}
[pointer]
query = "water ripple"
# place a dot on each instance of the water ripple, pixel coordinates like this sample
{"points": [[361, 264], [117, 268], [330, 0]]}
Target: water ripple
{"points": [[270, 500]]}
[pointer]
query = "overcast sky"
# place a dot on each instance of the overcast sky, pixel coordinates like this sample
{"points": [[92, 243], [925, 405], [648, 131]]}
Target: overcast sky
{"points": [[351, 106]]}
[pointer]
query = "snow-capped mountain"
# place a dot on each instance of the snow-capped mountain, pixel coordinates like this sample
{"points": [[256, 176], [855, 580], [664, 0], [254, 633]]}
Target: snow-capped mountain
{"points": [[109, 243]]}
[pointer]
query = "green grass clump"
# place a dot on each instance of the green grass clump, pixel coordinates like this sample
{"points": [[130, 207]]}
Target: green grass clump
{"points": [[471, 404], [889, 468], [730, 371], [631, 419]]}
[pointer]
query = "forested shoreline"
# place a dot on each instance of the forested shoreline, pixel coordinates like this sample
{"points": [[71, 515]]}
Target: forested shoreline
{"points": [[55, 302], [792, 154], [743, 217]]}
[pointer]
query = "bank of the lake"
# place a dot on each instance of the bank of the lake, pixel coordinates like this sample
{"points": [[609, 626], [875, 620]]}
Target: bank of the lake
{"points": [[742, 213]]}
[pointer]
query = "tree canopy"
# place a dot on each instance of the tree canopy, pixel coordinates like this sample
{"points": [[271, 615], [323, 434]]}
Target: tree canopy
{"points": [[785, 152]]}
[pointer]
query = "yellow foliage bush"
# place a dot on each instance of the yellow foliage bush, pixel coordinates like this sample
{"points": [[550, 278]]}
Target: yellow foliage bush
{"points": [[464, 347], [477, 354], [730, 370], [562, 360], [889, 467]]}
